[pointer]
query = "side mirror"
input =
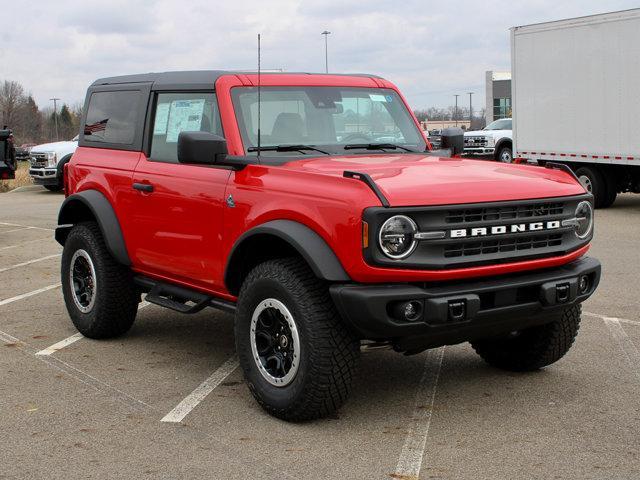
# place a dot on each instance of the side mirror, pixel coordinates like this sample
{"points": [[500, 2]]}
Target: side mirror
{"points": [[201, 147], [453, 139]]}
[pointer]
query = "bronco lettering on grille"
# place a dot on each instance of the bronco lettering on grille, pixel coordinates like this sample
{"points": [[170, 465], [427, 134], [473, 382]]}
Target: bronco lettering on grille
{"points": [[503, 229]]}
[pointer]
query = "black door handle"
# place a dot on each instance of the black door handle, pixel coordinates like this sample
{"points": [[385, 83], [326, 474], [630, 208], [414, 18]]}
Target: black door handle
{"points": [[143, 187]]}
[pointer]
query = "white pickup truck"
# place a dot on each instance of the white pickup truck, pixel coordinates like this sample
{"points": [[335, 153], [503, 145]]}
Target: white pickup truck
{"points": [[47, 163], [494, 139]]}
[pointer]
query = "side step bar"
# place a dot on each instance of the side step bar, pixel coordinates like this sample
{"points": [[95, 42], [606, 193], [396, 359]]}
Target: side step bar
{"points": [[180, 299]]}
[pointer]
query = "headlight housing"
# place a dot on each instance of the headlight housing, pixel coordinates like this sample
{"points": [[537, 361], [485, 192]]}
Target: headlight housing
{"points": [[52, 159], [397, 237], [584, 219], [490, 141]]}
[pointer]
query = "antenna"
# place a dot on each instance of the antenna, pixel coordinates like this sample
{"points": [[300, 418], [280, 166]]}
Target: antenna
{"points": [[258, 151]]}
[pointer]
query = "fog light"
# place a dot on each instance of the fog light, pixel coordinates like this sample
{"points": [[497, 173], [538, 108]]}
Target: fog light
{"points": [[583, 285], [408, 311]]}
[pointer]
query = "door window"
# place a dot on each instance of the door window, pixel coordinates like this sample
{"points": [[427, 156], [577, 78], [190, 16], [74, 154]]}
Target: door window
{"points": [[181, 112]]}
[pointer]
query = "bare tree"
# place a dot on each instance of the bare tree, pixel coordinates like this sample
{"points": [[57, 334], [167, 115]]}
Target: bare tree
{"points": [[11, 100]]}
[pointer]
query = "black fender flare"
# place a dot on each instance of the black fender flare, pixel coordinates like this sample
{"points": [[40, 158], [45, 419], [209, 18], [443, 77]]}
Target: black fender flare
{"points": [[501, 142], [60, 167], [74, 209], [312, 248]]}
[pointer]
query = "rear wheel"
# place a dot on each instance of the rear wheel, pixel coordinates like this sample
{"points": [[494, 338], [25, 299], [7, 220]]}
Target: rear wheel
{"points": [[532, 348], [99, 293], [297, 356], [593, 181]]}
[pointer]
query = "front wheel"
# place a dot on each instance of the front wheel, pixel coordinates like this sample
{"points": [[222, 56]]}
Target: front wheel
{"points": [[297, 356], [99, 293], [505, 155], [54, 188], [532, 348]]}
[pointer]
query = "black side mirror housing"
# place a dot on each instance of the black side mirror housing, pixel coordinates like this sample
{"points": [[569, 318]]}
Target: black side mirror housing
{"points": [[201, 148], [453, 139]]}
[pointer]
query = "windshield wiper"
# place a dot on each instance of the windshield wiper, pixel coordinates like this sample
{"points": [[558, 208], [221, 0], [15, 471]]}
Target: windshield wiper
{"points": [[378, 146], [287, 148]]}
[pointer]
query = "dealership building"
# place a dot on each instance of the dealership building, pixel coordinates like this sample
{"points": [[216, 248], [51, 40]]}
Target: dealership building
{"points": [[498, 91]]}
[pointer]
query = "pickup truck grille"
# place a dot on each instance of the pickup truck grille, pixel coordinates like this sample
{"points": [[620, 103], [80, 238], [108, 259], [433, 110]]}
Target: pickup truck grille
{"points": [[482, 234], [475, 142], [39, 159]]}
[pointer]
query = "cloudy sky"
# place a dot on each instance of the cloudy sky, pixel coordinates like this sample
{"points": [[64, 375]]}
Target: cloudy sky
{"points": [[431, 50]]}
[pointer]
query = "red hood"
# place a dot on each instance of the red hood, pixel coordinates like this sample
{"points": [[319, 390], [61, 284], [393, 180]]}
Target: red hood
{"points": [[413, 180]]}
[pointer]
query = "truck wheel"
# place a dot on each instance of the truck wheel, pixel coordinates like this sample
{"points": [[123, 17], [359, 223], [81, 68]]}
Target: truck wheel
{"points": [[99, 293], [505, 155], [534, 347], [297, 356], [53, 188], [593, 181]]}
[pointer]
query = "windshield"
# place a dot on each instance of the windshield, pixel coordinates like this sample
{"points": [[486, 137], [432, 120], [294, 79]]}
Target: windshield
{"points": [[330, 118], [503, 124]]}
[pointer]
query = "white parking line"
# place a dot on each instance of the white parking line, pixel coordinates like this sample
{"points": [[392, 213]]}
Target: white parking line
{"points": [[626, 345], [16, 229], [26, 226], [205, 388], [60, 345], [18, 265], [74, 338], [622, 320], [412, 454], [28, 294], [25, 243]]}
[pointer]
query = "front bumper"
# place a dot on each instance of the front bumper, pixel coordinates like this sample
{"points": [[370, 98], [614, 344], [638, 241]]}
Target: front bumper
{"points": [[459, 311], [44, 176], [479, 150]]}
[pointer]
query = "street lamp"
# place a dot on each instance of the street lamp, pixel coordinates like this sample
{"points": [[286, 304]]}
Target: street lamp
{"points": [[55, 115], [470, 109], [455, 112], [326, 50]]}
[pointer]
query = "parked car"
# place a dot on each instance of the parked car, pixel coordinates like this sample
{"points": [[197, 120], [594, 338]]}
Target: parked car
{"points": [[494, 140], [435, 138], [7, 156], [22, 152], [314, 238], [48, 161]]}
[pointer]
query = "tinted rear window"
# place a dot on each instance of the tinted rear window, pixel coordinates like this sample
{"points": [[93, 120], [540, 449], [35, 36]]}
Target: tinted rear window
{"points": [[112, 117]]}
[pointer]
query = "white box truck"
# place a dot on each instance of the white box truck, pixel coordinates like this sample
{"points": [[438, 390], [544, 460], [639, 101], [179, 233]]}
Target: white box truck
{"points": [[576, 99]]}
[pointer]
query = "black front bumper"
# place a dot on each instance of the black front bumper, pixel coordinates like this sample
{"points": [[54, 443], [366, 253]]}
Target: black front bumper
{"points": [[455, 312]]}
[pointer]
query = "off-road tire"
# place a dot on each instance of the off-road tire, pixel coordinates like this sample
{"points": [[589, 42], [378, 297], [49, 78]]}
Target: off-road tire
{"points": [[532, 348], [596, 185], [329, 352], [116, 296]]}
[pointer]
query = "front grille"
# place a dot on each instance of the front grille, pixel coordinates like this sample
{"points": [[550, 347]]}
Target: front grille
{"points": [[482, 233], [39, 159], [509, 212], [475, 142], [505, 245]]}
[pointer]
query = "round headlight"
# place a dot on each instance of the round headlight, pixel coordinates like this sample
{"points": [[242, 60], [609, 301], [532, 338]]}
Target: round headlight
{"points": [[584, 217], [397, 237]]}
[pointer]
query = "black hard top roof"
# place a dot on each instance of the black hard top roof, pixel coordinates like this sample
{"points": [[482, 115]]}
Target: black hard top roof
{"points": [[195, 79]]}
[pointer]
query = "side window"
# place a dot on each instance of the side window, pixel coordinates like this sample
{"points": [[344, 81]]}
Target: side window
{"points": [[181, 112], [112, 117]]}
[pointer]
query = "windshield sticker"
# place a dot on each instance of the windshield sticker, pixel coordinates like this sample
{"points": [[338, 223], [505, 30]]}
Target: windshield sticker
{"points": [[377, 98], [185, 116], [162, 117]]}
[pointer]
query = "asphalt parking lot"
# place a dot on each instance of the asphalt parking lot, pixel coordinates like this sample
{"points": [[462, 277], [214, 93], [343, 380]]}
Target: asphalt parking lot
{"points": [[167, 401]]}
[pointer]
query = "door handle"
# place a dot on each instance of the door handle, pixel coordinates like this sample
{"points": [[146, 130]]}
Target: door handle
{"points": [[143, 187]]}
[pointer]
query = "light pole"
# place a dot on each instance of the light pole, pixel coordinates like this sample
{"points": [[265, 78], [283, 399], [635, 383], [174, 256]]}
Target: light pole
{"points": [[455, 111], [326, 50], [55, 114], [470, 109]]}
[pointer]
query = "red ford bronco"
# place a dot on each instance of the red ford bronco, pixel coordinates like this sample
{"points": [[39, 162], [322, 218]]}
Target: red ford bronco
{"points": [[313, 208]]}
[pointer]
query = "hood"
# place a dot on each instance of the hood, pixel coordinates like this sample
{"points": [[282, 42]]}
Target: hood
{"points": [[415, 180], [58, 147]]}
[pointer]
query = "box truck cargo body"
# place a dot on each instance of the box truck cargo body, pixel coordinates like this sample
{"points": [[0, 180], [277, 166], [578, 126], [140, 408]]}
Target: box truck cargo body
{"points": [[576, 98]]}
